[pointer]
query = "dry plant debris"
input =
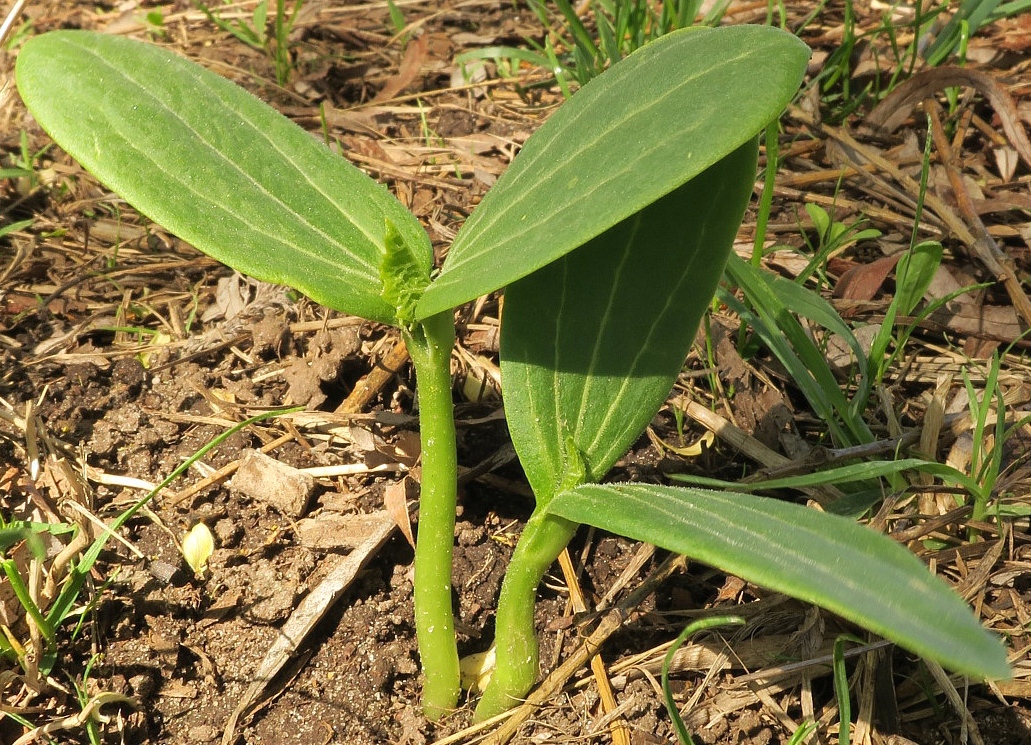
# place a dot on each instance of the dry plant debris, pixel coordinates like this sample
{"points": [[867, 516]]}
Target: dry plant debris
{"points": [[123, 351]]}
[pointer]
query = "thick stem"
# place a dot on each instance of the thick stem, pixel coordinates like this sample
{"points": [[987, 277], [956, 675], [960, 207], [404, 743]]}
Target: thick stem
{"points": [[516, 665], [430, 346]]}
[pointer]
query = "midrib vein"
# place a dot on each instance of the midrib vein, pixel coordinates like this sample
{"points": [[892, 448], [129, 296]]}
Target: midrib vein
{"points": [[117, 125], [521, 195]]}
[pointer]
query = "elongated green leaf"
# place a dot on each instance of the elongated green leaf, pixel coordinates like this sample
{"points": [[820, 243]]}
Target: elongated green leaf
{"points": [[797, 299], [820, 558], [592, 343], [842, 475], [635, 133], [773, 301], [914, 273], [216, 166]]}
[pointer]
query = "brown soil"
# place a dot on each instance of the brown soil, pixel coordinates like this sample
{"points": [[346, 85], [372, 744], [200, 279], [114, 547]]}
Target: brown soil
{"points": [[129, 351]]}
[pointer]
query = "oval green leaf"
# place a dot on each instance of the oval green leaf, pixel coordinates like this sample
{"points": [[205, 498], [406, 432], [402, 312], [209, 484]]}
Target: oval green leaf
{"points": [[635, 133], [217, 167], [823, 559], [592, 343]]}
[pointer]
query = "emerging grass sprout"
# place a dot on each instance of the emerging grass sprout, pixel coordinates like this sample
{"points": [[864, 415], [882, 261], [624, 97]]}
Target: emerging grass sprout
{"points": [[610, 231]]}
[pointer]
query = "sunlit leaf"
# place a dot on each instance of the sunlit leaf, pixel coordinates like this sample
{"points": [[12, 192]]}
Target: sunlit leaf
{"points": [[649, 124], [824, 559], [217, 167]]}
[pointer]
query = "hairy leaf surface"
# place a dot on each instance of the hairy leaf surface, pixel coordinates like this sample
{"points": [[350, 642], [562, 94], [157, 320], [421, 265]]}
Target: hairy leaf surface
{"points": [[647, 125], [217, 167], [592, 343], [823, 559]]}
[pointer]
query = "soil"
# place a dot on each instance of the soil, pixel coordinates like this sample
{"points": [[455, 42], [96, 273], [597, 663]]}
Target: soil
{"points": [[129, 352]]}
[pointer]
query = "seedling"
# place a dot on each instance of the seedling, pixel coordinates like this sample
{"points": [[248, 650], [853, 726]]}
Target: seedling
{"points": [[398, 22], [971, 16], [988, 440], [256, 35], [610, 230], [569, 51], [679, 728], [25, 166]]}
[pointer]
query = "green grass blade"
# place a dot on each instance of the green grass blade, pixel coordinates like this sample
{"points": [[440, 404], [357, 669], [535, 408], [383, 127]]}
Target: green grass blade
{"points": [[592, 344], [824, 559], [679, 728], [14, 226], [973, 14], [24, 597], [914, 273], [774, 300], [840, 475], [216, 166], [841, 692], [1010, 9], [632, 135], [576, 27]]}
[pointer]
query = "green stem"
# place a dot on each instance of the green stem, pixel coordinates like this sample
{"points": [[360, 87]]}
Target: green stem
{"points": [[429, 345], [516, 665]]}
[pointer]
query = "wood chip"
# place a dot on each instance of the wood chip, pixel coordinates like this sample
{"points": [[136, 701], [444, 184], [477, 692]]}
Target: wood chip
{"points": [[267, 480]]}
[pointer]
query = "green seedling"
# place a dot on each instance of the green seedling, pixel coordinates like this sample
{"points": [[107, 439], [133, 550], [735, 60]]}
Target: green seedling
{"points": [[508, 59], [25, 166], [569, 51], [398, 22], [256, 34], [679, 728], [803, 733], [12, 534], [913, 273], [771, 144], [768, 304], [14, 227], [988, 441], [893, 62], [610, 230], [253, 34], [155, 23], [932, 40], [832, 237]]}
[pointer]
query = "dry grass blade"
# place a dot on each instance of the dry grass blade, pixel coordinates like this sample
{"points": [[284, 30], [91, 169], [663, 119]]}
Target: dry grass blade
{"points": [[370, 386], [985, 246], [617, 725], [969, 727], [76, 722], [897, 106], [751, 447]]}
